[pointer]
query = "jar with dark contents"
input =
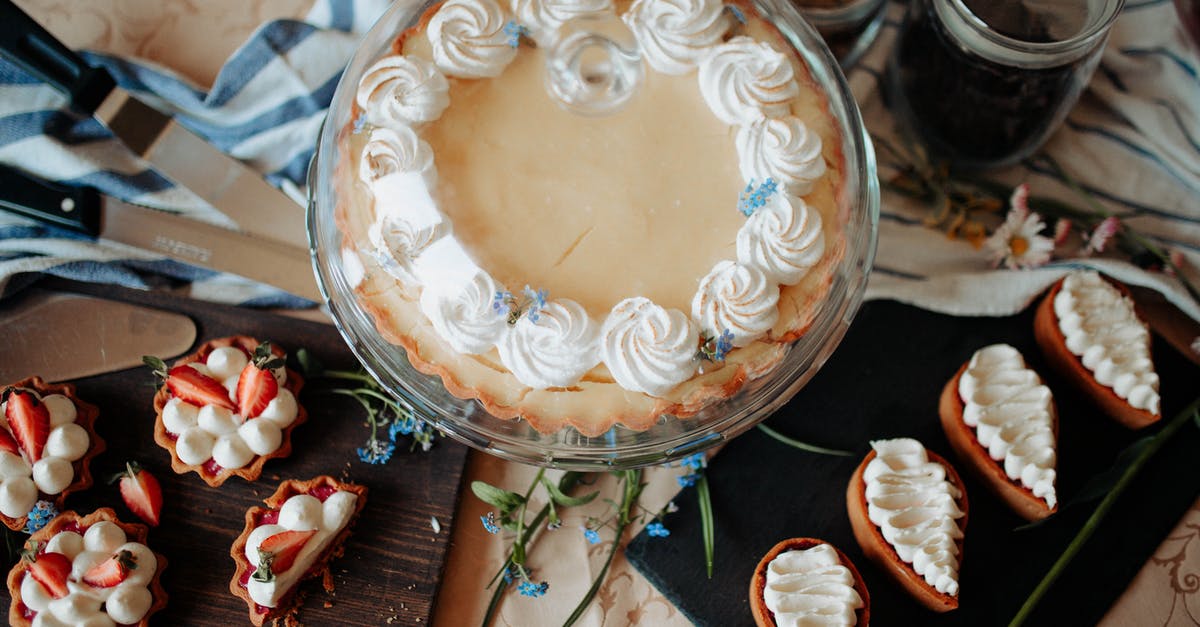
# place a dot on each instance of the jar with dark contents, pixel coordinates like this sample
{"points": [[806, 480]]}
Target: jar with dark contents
{"points": [[847, 26], [984, 83]]}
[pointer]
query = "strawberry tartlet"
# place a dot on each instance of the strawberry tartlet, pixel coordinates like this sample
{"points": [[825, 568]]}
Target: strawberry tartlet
{"points": [[47, 441], [89, 570], [294, 538], [227, 408]]}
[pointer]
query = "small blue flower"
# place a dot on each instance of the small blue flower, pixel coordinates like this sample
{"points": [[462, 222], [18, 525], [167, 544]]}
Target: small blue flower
{"points": [[591, 536], [42, 513], [515, 31], [687, 481], [695, 461], [403, 426], [530, 589], [753, 197], [360, 122], [376, 451], [657, 530], [510, 573], [489, 523], [724, 345], [737, 13]]}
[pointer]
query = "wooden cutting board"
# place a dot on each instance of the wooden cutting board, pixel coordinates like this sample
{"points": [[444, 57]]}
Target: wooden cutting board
{"points": [[884, 382], [393, 562]]}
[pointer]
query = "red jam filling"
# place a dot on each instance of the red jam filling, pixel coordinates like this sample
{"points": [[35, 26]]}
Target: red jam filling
{"points": [[212, 467], [322, 492], [25, 611], [269, 517]]}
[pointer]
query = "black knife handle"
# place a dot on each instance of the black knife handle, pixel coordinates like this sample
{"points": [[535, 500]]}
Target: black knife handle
{"points": [[24, 42], [74, 208]]}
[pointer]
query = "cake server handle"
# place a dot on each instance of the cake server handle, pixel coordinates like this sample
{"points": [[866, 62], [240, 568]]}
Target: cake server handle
{"points": [[73, 208]]}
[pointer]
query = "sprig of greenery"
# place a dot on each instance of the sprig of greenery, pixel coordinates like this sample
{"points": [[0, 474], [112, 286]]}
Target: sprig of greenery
{"points": [[804, 446], [1145, 451], [631, 491]]}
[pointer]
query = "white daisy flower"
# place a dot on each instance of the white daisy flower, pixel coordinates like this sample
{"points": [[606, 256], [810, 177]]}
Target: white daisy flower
{"points": [[1018, 243]]}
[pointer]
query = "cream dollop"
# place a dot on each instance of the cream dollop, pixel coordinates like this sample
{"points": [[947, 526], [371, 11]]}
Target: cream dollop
{"points": [[743, 80], [544, 17], [915, 507], [783, 238], [782, 149], [811, 587], [554, 351], [738, 298], [675, 35], [648, 348], [393, 150], [1012, 413], [398, 242], [469, 39], [463, 314], [1103, 330], [402, 91]]}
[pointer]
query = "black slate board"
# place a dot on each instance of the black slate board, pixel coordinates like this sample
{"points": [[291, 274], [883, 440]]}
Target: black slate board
{"points": [[393, 561], [882, 382]]}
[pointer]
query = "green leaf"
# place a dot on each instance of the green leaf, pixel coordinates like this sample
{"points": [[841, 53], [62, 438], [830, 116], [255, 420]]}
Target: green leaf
{"points": [[310, 366], [1196, 418], [707, 522], [1103, 482], [501, 499], [562, 499]]}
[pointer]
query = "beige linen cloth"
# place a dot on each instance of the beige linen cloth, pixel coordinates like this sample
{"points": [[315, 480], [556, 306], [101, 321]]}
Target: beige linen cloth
{"points": [[194, 39]]}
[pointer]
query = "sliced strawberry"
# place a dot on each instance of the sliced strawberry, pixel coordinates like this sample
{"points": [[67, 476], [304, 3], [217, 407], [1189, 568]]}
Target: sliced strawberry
{"points": [[29, 420], [50, 570], [141, 492], [198, 389], [277, 553], [111, 571], [7, 443], [257, 385]]}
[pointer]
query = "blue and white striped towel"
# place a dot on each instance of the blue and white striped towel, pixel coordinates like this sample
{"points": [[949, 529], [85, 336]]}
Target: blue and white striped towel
{"points": [[1134, 141], [265, 107]]}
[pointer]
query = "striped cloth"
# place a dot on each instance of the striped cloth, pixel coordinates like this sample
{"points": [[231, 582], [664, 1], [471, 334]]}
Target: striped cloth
{"points": [[1134, 141], [265, 108]]}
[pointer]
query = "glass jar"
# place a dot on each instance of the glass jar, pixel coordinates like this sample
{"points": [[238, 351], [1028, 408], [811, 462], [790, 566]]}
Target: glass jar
{"points": [[984, 83], [849, 27]]}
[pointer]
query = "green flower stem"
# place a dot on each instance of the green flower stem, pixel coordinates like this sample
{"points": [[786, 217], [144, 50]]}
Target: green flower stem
{"points": [[1192, 412], [632, 484], [518, 554], [350, 376], [804, 446], [707, 525]]}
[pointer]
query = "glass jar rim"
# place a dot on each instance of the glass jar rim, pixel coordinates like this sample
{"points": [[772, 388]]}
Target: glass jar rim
{"points": [[981, 38]]}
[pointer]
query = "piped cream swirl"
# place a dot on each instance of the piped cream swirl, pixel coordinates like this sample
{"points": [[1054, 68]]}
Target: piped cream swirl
{"points": [[736, 297], [544, 17], [743, 80], [402, 91], [648, 348], [463, 315], [675, 35], [468, 39], [915, 507], [1012, 413], [783, 238], [782, 149], [554, 351], [811, 587], [398, 242], [1103, 330], [394, 150]]}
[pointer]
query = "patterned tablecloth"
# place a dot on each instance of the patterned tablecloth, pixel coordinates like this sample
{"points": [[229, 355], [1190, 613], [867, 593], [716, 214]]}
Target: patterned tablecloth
{"points": [[194, 39]]}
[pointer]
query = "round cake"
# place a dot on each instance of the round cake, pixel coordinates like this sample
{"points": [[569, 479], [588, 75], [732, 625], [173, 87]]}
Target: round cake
{"points": [[590, 213]]}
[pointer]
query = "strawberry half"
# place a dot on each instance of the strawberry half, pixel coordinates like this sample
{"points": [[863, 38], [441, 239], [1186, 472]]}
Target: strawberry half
{"points": [[190, 386], [7, 443], [277, 553], [50, 570], [257, 385], [111, 571], [141, 492], [29, 420]]}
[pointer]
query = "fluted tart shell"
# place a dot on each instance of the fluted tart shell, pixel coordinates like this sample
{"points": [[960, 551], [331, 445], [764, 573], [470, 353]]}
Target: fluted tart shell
{"points": [[763, 616], [253, 470], [879, 550]]}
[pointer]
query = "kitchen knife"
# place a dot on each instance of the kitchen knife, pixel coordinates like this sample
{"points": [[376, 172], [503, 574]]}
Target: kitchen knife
{"points": [[85, 210], [60, 336], [224, 182]]}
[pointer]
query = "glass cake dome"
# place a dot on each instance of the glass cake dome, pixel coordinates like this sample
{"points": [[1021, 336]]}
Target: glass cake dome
{"points": [[592, 69]]}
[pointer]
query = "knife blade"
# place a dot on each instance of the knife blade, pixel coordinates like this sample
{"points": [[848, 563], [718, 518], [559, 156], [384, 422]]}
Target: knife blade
{"points": [[86, 211], [46, 335], [224, 182]]}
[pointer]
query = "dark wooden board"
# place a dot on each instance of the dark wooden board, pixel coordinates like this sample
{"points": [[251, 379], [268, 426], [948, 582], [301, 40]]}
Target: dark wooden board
{"points": [[883, 382], [393, 561]]}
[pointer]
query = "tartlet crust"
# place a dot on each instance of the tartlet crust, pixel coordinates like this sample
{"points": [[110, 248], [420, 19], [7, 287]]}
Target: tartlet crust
{"points": [[85, 417], [763, 616], [879, 550], [980, 463], [134, 532], [798, 306], [1053, 343], [290, 603], [253, 470]]}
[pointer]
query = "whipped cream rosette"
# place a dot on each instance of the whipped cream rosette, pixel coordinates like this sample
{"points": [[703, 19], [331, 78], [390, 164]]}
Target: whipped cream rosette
{"points": [[469, 39], [399, 91], [675, 35]]}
